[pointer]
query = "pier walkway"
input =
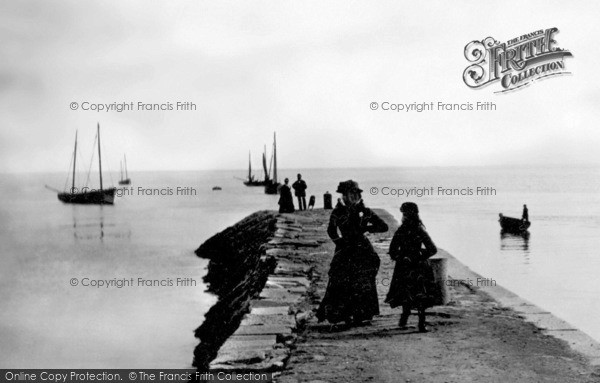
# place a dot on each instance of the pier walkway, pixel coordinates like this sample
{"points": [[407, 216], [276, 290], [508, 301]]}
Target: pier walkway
{"points": [[472, 339]]}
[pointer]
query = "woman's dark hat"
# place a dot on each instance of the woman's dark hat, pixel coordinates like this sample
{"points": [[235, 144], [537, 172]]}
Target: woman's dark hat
{"points": [[347, 186], [410, 208]]}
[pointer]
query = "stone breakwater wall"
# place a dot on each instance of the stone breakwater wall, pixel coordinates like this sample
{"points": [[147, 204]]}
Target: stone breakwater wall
{"points": [[270, 271], [262, 270], [237, 273]]}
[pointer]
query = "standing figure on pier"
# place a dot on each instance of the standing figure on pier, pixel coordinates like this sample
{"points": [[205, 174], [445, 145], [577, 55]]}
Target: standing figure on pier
{"points": [[286, 202], [351, 294], [413, 283], [300, 192]]}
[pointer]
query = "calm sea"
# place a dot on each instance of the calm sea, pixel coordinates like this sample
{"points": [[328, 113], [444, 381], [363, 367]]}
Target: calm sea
{"points": [[47, 322]]}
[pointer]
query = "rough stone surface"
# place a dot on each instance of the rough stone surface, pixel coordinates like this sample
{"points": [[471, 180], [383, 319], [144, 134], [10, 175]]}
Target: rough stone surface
{"points": [[283, 320], [474, 338], [238, 253], [269, 311], [284, 292]]}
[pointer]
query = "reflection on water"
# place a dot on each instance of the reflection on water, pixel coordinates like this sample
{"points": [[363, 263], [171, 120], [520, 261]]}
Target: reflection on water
{"points": [[82, 323], [45, 243], [516, 242], [92, 228]]}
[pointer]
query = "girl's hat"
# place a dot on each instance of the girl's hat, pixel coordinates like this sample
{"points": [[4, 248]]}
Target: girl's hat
{"points": [[410, 208]]}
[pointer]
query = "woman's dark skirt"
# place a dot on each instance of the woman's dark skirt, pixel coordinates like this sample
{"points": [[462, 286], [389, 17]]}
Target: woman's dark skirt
{"points": [[352, 289]]}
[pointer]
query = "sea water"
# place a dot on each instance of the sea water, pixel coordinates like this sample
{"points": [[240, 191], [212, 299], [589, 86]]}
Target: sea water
{"points": [[154, 227], [555, 265], [125, 308]]}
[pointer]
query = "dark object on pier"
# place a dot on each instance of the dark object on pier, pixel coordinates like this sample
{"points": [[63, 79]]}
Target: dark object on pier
{"points": [[311, 202], [217, 188], [327, 201], [513, 225]]}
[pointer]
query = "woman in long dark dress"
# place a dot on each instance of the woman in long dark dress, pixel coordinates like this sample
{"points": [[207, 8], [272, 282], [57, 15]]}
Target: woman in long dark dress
{"points": [[412, 284], [286, 202], [351, 294]]}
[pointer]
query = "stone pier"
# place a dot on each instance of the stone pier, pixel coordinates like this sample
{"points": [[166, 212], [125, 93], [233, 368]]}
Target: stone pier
{"points": [[475, 337]]}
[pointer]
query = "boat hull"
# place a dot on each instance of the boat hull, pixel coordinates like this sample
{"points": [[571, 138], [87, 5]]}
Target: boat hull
{"points": [[255, 183], [272, 188], [513, 225], [92, 197], [125, 182]]}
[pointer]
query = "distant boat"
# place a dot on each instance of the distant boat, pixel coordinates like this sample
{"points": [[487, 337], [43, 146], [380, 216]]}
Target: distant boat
{"points": [[126, 180], [513, 225], [96, 197], [217, 188], [251, 181], [272, 186]]}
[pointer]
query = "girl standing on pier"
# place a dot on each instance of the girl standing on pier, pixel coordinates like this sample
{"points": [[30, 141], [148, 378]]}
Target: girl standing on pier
{"points": [[351, 294], [412, 284]]}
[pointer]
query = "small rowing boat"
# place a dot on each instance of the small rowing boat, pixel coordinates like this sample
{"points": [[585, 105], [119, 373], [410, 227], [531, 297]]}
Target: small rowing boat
{"points": [[513, 225]]}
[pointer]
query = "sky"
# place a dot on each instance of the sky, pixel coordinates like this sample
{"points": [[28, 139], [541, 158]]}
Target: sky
{"points": [[307, 70]]}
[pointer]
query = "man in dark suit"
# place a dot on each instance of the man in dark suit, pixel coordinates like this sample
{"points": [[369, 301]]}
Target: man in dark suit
{"points": [[300, 192]]}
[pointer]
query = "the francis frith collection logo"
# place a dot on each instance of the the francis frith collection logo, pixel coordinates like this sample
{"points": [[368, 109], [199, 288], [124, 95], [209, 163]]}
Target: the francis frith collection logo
{"points": [[515, 63]]}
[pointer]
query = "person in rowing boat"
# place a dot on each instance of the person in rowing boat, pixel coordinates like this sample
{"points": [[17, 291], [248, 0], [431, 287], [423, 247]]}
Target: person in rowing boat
{"points": [[525, 216]]}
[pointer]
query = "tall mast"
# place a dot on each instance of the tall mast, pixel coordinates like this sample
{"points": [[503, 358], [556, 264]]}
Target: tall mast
{"points": [[121, 163], [264, 160], [74, 163], [125, 157], [275, 159], [249, 167], [99, 157]]}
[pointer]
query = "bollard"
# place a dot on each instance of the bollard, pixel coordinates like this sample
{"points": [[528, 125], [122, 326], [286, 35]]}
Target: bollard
{"points": [[327, 201], [439, 276]]}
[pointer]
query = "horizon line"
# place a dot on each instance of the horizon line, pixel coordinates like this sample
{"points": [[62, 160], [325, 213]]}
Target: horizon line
{"points": [[582, 165]]}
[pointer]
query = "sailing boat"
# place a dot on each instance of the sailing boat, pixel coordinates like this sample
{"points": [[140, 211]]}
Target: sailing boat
{"points": [[86, 195], [253, 182], [272, 186], [126, 180]]}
